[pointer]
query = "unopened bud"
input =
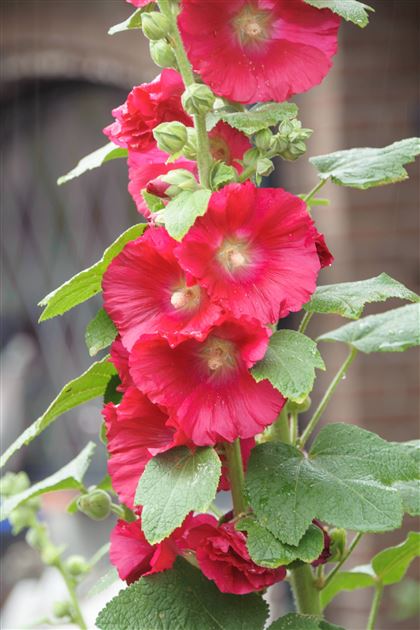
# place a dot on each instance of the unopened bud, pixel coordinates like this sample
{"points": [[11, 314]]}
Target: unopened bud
{"points": [[162, 54], [171, 136], [221, 174], [77, 565], [198, 99], [251, 158], [190, 148], [21, 518], [155, 25], [264, 167], [50, 554], [61, 609], [96, 504], [13, 483], [338, 544], [179, 180], [263, 139], [289, 143], [299, 407], [37, 537]]}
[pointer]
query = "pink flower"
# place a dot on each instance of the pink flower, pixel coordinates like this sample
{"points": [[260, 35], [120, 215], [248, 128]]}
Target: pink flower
{"points": [[139, 3], [228, 144], [136, 430], [147, 106], [207, 384], [254, 251], [146, 291], [258, 50], [147, 166], [223, 557], [119, 357]]}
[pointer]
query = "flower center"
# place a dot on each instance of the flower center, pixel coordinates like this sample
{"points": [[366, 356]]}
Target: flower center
{"points": [[220, 150], [233, 255], [218, 354], [186, 297], [251, 24]]}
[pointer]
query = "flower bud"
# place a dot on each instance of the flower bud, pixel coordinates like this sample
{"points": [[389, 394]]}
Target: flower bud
{"points": [[179, 180], [264, 167], [50, 554], [289, 143], [96, 504], [251, 158], [263, 139], [13, 483], [300, 407], [162, 54], [61, 609], [338, 544], [21, 518], [221, 174], [198, 99], [37, 537], [170, 137], [77, 565], [190, 148], [155, 25]]}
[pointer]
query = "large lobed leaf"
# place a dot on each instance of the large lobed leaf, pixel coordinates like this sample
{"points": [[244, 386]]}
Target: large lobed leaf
{"points": [[365, 168], [90, 384], [181, 599], [345, 480], [67, 478], [350, 10], [174, 484], [294, 621], [87, 283], [393, 331], [100, 332], [289, 364], [258, 117], [94, 160], [349, 298]]}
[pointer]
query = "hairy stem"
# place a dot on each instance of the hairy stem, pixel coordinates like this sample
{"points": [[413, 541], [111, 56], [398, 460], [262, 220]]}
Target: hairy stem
{"points": [[346, 555], [314, 190], [77, 613], [304, 323], [327, 396], [305, 593], [203, 145], [236, 476], [375, 607], [294, 427]]}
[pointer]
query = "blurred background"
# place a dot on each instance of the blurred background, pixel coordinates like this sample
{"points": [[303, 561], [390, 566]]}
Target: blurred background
{"points": [[61, 76]]}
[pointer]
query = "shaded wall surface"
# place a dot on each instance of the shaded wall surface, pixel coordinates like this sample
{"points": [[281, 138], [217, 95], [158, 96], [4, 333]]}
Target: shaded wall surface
{"points": [[61, 77]]}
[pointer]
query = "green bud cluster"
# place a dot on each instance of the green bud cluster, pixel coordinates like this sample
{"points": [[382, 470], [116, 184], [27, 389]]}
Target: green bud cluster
{"points": [[171, 137], [13, 483], [62, 609], [96, 504], [198, 99], [289, 142], [77, 565]]}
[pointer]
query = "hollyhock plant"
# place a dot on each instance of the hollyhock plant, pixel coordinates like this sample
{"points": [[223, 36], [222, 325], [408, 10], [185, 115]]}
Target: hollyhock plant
{"points": [[146, 291], [223, 557], [207, 384], [147, 106], [258, 50], [254, 251], [228, 145]]}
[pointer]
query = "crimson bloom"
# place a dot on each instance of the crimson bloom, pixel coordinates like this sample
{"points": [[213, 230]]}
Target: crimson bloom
{"points": [[147, 106], [207, 384], [119, 357], [223, 557], [146, 291], [228, 144], [275, 48], [139, 3], [136, 430], [254, 251]]}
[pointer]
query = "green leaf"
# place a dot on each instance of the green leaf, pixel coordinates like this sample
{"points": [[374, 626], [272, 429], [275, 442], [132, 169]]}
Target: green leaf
{"points": [[104, 582], [349, 298], [350, 10], [100, 332], [267, 551], [260, 117], [67, 478], [345, 480], [173, 484], [393, 331], [293, 621], [87, 283], [154, 203], [132, 22], [360, 577], [365, 168], [409, 492], [289, 364], [390, 565], [89, 385], [181, 599], [94, 160], [182, 211]]}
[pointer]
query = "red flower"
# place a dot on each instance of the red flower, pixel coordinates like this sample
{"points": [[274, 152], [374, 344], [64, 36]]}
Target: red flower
{"points": [[258, 50], [139, 3], [136, 430], [146, 291], [254, 251], [325, 256], [228, 144], [207, 385], [326, 552], [147, 166], [147, 106], [119, 357], [223, 557]]}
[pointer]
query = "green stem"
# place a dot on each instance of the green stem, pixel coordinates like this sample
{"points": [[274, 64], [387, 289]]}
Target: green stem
{"points": [[304, 323], [304, 590], [346, 555], [314, 190], [327, 396], [293, 427], [203, 145], [375, 607], [236, 476], [77, 613], [279, 431]]}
